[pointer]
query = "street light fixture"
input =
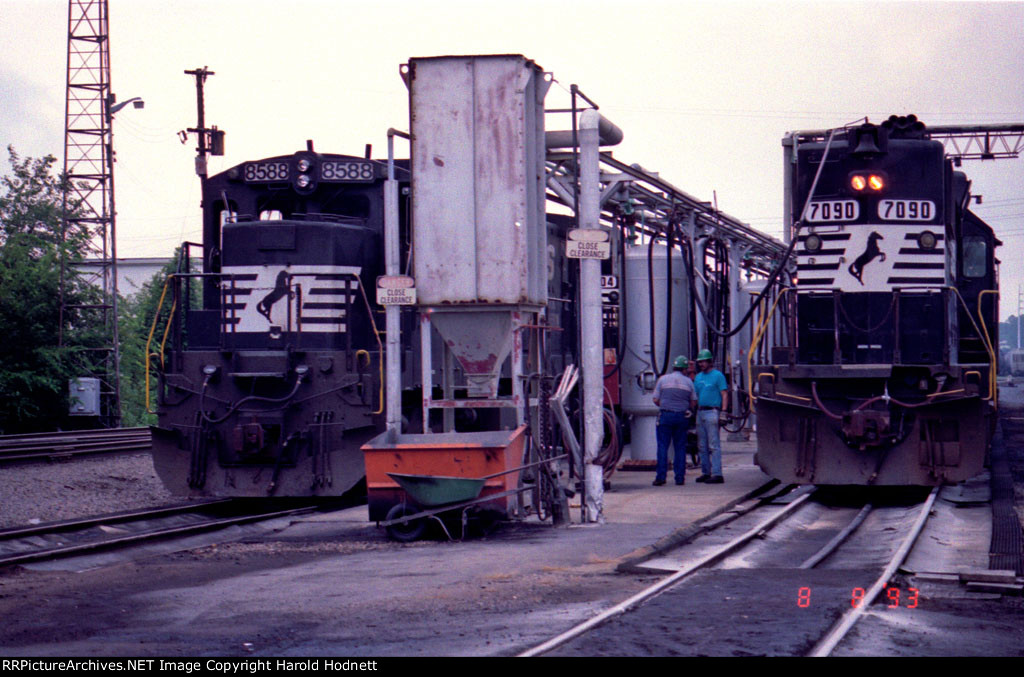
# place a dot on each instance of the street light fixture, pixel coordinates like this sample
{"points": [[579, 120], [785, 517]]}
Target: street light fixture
{"points": [[137, 101]]}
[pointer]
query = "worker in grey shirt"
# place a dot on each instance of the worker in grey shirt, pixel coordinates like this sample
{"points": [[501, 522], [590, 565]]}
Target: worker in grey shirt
{"points": [[676, 397]]}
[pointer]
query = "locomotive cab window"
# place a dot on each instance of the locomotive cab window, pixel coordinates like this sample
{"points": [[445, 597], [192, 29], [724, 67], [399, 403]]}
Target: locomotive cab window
{"points": [[975, 258]]}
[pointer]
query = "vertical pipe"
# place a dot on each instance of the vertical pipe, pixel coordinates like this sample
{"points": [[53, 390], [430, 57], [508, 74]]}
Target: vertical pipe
{"points": [[427, 368], [520, 395], [737, 308], [393, 382], [590, 325], [448, 386], [699, 248]]}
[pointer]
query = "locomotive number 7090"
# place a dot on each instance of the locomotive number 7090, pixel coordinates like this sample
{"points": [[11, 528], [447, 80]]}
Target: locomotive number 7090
{"points": [[824, 211], [906, 210]]}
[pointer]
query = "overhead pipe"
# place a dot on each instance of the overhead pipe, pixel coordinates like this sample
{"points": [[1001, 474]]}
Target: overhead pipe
{"points": [[608, 134]]}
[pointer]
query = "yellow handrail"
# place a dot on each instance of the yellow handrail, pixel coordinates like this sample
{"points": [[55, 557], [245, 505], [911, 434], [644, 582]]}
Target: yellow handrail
{"points": [[149, 340], [984, 337], [380, 344], [759, 332], [994, 364]]}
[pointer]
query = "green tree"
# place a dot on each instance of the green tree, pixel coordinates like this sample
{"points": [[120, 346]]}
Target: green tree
{"points": [[34, 370], [136, 316]]}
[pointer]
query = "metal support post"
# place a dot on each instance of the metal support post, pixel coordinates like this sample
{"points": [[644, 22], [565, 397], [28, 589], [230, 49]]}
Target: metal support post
{"points": [[591, 338], [393, 355]]}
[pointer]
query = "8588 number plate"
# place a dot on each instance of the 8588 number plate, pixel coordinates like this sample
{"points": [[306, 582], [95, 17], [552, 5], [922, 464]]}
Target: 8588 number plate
{"points": [[347, 171], [265, 172]]}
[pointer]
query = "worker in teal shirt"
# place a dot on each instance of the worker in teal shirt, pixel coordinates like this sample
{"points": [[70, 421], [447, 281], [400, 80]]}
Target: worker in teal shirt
{"points": [[712, 397]]}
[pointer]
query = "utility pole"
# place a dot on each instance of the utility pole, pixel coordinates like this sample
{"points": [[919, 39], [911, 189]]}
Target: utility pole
{"points": [[1020, 307], [211, 141]]}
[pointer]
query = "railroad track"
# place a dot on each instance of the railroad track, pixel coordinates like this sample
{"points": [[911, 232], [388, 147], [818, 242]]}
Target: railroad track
{"points": [[63, 445], [84, 536], [785, 575]]}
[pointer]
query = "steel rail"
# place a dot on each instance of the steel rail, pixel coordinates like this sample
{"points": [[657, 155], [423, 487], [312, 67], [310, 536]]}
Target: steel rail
{"points": [[82, 433], [34, 446], [82, 548], [827, 643], [86, 522], [837, 540], [668, 582]]}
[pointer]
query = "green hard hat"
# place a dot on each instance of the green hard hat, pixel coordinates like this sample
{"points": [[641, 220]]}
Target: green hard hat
{"points": [[705, 355], [680, 362]]}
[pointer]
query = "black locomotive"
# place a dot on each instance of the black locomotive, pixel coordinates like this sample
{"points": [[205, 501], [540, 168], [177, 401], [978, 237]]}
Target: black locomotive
{"points": [[273, 383], [877, 366]]}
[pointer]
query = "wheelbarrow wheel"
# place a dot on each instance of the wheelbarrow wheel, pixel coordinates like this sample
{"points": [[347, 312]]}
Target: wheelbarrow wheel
{"points": [[405, 532]]}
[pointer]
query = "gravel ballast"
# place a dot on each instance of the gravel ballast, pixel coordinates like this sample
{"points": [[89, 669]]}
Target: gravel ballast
{"points": [[49, 492]]}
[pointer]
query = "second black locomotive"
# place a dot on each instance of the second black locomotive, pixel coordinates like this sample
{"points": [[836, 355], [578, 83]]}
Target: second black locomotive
{"points": [[877, 366], [271, 385]]}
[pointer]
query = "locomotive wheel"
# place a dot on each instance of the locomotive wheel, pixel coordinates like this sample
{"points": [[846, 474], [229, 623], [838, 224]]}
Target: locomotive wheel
{"points": [[405, 532]]}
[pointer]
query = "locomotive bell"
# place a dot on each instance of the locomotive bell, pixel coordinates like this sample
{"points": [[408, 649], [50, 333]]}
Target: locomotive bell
{"points": [[867, 143]]}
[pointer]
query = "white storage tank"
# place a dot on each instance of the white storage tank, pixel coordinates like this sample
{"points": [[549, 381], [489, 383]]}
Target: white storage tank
{"points": [[640, 363]]}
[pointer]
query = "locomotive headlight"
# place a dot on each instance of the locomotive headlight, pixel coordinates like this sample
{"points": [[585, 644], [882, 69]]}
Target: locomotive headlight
{"points": [[304, 165], [871, 182], [812, 243], [303, 181], [927, 240]]}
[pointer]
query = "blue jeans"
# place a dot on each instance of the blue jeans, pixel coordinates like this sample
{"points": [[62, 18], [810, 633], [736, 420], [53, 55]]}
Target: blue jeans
{"points": [[708, 443], [672, 426]]}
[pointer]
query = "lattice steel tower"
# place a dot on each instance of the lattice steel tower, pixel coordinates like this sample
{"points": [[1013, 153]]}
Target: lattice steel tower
{"points": [[89, 196]]}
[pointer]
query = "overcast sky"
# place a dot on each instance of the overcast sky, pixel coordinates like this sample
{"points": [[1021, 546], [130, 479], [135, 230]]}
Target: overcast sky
{"points": [[703, 91]]}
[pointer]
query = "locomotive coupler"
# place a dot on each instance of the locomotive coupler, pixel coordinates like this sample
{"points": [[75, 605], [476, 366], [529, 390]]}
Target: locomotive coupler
{"points": [[867, 428]]}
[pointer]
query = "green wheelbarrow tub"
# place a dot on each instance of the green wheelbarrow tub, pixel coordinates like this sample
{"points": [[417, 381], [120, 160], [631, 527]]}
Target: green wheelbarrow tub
{"points": [[431, 490]]}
